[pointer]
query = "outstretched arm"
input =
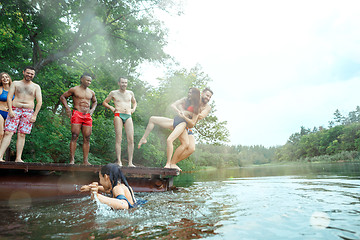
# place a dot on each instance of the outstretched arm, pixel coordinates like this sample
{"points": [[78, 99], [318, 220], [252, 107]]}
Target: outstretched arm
{"points": [[87, 188]]}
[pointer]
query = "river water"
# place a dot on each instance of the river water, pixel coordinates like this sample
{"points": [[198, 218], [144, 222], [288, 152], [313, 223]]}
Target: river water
{"points": [[310, 201]]}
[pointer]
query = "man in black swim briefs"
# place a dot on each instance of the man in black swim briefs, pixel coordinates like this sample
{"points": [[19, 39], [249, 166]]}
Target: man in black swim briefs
{"points": [[125, 105]]}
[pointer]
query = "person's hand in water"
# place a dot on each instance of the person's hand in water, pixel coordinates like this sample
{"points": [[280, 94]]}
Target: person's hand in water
{"points": [[87, 188], [94, 189]]}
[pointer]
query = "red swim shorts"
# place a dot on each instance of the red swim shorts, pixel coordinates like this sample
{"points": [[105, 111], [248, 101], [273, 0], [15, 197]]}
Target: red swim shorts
{"points": [[20, 122], [81, 118]]}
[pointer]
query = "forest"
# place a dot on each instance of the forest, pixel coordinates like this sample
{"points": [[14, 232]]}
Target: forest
{"points": [[63, 39], [340, 141], [108, 39]]}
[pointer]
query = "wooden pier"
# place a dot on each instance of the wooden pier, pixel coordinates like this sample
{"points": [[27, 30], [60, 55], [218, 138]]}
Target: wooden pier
{"points": [[49, 180]]}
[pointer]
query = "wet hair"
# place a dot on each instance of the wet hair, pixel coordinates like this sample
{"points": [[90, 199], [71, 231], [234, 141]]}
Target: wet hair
{"points": [[195, 99], [116, 176], [1, 75], [29, 67], [208, 90]]}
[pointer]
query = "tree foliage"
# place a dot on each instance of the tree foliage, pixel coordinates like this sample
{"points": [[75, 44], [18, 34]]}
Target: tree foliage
{"points": [[63, 39], [81, 33], [343, 135]]}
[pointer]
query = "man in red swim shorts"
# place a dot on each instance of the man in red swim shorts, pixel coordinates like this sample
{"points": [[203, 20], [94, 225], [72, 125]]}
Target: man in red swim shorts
{"points": [[21, 111], [80, 115]]}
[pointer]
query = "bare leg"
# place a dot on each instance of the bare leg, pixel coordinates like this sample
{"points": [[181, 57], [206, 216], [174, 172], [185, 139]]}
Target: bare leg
{"points": [[86, 132], [2, 124], [5, 143], [161, 121], [118, 125], [20, 146], [170, 147], [184, 139], [129, 129], [187, 151], [75, 131]]}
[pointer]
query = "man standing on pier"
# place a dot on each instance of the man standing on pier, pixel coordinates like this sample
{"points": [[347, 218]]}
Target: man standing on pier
{"points": [[80, 115], [183, 152], [123, 99], [21, 111]]}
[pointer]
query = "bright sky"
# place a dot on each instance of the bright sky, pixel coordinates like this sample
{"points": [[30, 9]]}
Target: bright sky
{"points": [[276, 65]]}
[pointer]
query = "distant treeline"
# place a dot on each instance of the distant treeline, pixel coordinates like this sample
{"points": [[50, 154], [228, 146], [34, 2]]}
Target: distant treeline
{"points": [[340, 141]]}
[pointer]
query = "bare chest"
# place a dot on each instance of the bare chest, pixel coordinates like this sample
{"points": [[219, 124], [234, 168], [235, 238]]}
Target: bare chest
{"points": [[25, 90], [83, 94], [122, 97]]}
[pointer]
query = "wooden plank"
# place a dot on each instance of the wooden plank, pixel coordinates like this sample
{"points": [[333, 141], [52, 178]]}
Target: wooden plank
{"points": [[86, 168]]}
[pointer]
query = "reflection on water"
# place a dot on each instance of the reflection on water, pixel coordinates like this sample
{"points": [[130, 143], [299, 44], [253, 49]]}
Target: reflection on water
{"points": [[297, 202], [303, 170]]}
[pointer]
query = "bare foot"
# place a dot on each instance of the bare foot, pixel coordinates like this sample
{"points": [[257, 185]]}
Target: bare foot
{"points": [[72, 162], [131, 165], [2, 160], [119, 163], [168, 165], [19, 160], [175, 166], [86, 163], [142, 141]]}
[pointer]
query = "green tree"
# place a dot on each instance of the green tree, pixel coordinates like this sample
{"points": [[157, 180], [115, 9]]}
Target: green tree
{"points": [[83, 32]]}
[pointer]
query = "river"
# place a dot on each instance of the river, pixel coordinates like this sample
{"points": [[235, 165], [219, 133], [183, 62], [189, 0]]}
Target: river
{"points": [[308, 201]]}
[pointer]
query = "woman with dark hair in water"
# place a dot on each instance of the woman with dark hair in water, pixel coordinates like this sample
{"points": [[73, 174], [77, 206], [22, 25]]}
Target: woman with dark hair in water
{"points": [[112, 181], [187, 110]]}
